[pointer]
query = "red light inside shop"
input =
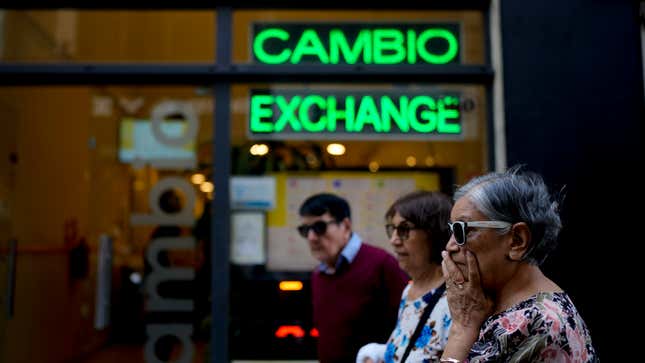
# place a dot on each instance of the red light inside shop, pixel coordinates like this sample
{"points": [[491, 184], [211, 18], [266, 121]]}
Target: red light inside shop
{"points": [[286, 330]]}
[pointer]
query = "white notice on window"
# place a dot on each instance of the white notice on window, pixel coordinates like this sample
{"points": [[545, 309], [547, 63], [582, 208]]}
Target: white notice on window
{"points": [[253, 192], [248, 230]]}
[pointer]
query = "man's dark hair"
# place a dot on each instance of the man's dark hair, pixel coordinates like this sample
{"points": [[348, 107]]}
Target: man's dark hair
{"points": [[322, 203]]}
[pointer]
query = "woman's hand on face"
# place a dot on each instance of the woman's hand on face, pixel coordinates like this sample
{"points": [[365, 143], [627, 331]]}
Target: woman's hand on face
{"points": [[468, 304]]}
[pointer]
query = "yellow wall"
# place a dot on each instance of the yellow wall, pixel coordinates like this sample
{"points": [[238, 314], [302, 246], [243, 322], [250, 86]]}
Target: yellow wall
{"points": [[48, 186], [68, 169], [52, 172], [135, 36]]}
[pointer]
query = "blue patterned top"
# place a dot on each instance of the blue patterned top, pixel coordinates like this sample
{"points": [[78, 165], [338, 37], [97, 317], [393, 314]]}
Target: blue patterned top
{"points": [[433, 337]]}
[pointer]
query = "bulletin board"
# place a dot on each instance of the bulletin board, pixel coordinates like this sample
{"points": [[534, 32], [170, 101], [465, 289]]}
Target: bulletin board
{"points": [[369, 196]]}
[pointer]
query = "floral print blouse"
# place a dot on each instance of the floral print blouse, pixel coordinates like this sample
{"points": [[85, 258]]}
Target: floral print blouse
{"points": [[544, 328], [433, 337]]}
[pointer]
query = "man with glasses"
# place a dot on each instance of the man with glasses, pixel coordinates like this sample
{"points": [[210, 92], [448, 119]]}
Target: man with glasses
{"points": [[357, 287]]}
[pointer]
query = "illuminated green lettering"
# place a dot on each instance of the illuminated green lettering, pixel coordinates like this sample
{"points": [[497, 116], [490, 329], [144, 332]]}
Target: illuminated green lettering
{"points": [[453, 46], [308, 124], [412, 54], [326, 112], [367, 114], [259, 111], [262, 55], [427, 115], [334, 114], [338, 45], [310, 44], [288, 113], [444, 114], [384, 43], [388, 41], [389, 111]]}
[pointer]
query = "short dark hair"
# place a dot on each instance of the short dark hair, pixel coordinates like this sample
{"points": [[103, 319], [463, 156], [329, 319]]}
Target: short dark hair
{"points": [[429, 211], [319, 204]]}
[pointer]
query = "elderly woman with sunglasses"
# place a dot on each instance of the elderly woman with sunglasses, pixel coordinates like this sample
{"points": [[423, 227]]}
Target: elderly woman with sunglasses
{"points": [[417, 226], [504, 309]]}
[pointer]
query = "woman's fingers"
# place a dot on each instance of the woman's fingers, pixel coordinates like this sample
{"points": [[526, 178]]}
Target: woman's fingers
{"points": [[451, 272], [473, 269]]}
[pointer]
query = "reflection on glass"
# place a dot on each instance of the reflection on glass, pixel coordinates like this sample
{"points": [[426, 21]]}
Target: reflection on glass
{"points": [[88, 168]]}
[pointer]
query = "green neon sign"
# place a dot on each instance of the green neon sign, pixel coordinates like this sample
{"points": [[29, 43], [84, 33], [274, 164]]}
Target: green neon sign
{"points": [[353, 43], [292, 114]]}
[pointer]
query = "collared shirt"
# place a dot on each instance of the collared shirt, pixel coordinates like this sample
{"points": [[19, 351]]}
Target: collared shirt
{"points": [[348, 254]]}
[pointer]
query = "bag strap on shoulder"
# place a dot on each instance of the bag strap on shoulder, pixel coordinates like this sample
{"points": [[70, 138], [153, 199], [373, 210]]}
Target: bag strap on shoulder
{"points": [[422, 320]]}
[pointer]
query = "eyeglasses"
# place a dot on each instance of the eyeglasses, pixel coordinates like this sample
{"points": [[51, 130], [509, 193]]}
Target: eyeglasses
{"points": [[460, 229], [402, 230], [319, 228]]}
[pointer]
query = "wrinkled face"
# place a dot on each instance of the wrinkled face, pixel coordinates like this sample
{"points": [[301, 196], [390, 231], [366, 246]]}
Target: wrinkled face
{"points": [[326, 247], [413, 252], [487, 244]]}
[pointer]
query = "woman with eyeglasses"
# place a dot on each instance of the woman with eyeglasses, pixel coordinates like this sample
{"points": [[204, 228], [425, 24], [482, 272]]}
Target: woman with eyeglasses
{"points": [[504, 309], [417, 226]]}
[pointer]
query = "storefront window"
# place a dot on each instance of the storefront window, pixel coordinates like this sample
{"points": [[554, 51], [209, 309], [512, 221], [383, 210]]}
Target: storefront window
{"points": [[111, 214], [369, 143], [131, 167]]}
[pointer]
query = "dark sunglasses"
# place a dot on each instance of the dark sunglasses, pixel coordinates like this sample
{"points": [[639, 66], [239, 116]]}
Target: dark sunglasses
{"points": [[319, 228], [459, 229], [402, 230]]}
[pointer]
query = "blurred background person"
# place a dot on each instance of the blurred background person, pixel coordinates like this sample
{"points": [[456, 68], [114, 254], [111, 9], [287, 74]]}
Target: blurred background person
{"points": [[203, 267], [355, 289], [504, 308], [417, 226]]}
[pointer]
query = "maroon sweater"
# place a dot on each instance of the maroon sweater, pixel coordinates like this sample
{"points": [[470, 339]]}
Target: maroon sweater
{"points": [[357, 305]]}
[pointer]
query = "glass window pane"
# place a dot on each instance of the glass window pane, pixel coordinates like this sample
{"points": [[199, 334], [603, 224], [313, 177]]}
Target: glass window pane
{"points": [[466, 151], [107, 36], [371, 170], [86, 168]]}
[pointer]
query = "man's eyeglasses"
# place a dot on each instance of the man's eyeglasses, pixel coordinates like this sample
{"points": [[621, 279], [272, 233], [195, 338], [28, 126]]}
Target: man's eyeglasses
{"points": [[402, 230], [460, 229], [319, 228]]}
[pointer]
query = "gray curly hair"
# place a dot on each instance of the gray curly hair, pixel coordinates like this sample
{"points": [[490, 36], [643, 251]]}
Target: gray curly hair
{"points": [[518, 196]]}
